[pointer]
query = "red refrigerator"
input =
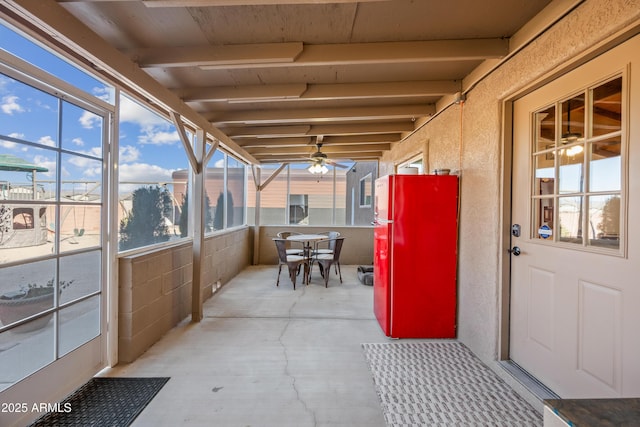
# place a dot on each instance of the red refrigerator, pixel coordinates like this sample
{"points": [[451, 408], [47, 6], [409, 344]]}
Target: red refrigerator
{"points": [[415, 255]]}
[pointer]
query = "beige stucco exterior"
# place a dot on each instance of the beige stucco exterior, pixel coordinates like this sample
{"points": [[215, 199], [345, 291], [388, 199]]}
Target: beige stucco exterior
{"points": [[479, 153]]}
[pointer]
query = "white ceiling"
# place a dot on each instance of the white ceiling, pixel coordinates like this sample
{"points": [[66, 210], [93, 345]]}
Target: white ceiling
{"points": [[275, 75]]}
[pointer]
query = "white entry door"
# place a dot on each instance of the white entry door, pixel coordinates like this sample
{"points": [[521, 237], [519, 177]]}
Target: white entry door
{"points": [[575, 292]]}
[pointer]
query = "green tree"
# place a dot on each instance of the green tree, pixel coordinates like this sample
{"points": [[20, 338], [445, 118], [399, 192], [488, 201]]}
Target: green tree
{"points": [[218, 218], [183, 224], [610, 225], [145, 224]]}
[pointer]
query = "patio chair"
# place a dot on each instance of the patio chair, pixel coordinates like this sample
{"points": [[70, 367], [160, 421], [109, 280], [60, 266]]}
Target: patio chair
{"points": [[330, 244], [293, 262], [326, 260], [289, 244]]}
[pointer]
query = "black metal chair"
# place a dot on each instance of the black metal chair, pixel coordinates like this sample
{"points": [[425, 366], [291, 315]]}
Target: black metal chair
{"points": [[326, 260], [293, 262]]}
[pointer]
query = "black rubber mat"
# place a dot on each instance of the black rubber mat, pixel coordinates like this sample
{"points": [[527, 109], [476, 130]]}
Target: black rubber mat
{"points": [[112, 402]]}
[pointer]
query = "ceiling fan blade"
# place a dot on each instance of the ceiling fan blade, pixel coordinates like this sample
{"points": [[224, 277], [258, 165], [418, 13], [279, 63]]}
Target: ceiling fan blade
{"points": [[337, 165]]}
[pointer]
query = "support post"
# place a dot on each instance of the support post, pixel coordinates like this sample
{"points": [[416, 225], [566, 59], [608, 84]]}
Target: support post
{"points": [[197, 212]]}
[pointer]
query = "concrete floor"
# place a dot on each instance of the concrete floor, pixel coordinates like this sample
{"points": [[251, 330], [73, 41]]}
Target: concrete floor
{"points": [[268, 356]]}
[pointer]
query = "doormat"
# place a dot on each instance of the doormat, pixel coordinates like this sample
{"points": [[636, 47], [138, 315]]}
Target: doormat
{"points": [[103, 401], [443, 384]]}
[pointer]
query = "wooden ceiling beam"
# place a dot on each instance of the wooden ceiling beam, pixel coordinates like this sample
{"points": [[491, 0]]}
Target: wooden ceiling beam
{"points": [[354, 156], [308, 150], [215, 3], [266, 132], [247, 143], [232, 56], [295, 141], [310, 115], [295, 54], [319, 92]]}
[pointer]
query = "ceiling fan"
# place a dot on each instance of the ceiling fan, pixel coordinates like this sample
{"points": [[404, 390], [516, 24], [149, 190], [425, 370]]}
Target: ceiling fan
{"points": [[319, 160]]}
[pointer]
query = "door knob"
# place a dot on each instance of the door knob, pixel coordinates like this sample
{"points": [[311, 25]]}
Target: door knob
{"points": [[515, 251]]}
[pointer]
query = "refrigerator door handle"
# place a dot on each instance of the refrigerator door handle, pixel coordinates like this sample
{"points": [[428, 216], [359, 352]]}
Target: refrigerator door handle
{"points": [[379, 221]]}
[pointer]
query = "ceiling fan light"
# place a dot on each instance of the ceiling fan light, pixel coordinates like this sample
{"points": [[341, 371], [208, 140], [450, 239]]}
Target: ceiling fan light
{"points": [[318, 168]]}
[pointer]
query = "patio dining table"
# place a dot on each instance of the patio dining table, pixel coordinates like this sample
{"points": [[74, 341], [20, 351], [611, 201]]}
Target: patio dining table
{"points": [[307, 239]]}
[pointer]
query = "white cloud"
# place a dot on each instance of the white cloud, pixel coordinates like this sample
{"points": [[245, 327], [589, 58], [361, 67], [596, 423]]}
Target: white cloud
{"points": [[88, 120], [129, 154], [104, 93], [84, 163], [8, 144], [158, 137], [131, 175], [46, 162], [144, 172], [132, 112], [10, 105], [78, 141], [93, 172], [219, 163], [154, 130], [47, 140]]}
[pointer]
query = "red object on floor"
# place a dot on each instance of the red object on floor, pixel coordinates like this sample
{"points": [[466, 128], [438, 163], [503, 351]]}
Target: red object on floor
{"points": [[415, 255]]}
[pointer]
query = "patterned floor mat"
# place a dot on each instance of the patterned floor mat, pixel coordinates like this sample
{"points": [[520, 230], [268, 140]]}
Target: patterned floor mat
{"points": [[113, 402], [443, 384]]}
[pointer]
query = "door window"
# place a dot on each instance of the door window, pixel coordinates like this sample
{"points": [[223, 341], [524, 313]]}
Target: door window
{"points": [[577, 169]]}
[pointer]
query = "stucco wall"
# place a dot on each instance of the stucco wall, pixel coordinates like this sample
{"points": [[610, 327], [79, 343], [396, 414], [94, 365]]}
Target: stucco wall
{"points": [[480, 157], [155, 287]]}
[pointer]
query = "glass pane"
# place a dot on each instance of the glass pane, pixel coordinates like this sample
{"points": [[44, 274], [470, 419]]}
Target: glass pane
{"points": [[304, 186], [26, 350], [605, 167], [607, 108], [81, 179], [273, 199], [24, 105], [298, 208], [359, 173], [79, 323], [543, 218], [572, 119], [146, 223], [341, 194], [151, 157], [26, 290], [604, 221], [79, 275], [79, 227], [366, 185], [26, 173], [570, 174], [235, 192], [545, 129], [570, 216], [26, 231], [24, 48], [544, 174], [81, 130], [214, 188]]}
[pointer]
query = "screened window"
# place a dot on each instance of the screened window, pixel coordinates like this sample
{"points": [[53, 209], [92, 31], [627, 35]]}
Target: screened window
{"points": [[153, 176], [366, 190], [51, 222]]}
